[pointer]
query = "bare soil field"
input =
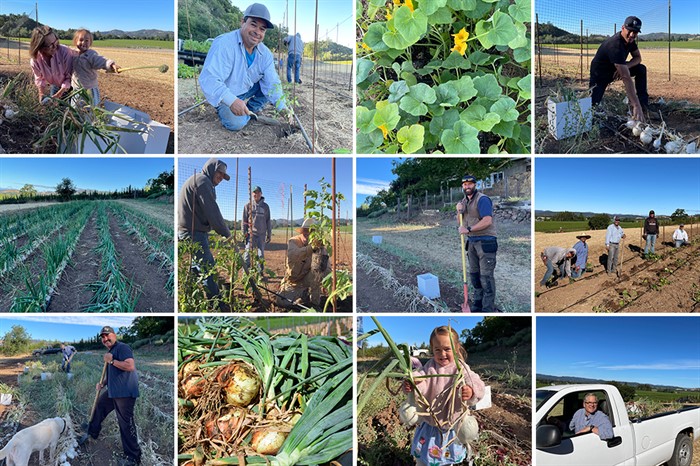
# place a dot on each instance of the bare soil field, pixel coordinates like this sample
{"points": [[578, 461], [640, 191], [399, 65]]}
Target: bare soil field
{"points": [[680, 109], [7, 208], [668, 284], [200, 131], [386, 273], [146, 90], [505, 428]]}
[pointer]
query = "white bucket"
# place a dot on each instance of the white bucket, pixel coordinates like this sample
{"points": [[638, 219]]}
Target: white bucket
{"points": [[485, 402], [5, 399], [69, 375], [429, 285], [26, 369], [46, 376], [377, 239]]}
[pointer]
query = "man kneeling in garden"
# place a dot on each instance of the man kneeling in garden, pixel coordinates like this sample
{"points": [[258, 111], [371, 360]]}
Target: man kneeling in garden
{"points": [[302, 276]]}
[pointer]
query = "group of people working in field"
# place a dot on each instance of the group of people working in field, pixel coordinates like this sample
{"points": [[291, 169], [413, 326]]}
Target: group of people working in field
{"points": [[58, 69], [199, 213], [572, 262]]}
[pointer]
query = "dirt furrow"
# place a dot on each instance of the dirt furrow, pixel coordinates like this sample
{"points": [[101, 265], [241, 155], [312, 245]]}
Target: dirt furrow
{"points": [[72, 293], [148, 277]]}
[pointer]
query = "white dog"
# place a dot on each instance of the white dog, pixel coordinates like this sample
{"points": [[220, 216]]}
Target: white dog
{"points": [[35, 438]]}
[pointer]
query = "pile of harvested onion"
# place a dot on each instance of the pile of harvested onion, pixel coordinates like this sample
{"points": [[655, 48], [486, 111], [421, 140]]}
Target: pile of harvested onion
{"points": [[246, 396]]}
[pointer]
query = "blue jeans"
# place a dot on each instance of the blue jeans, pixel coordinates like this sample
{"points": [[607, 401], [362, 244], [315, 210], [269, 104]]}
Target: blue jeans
{"points": [[550, 271], [65, 366], [233, 122], [651, 242], [294, 59], [575, 274], [203, 257], [259, 243], [681, 242]]}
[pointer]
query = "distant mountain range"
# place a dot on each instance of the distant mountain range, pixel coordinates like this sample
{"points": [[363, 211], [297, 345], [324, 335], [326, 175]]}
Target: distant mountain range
{"points": [[554, 31], [141, 33], [567, 379], [549, 213]]}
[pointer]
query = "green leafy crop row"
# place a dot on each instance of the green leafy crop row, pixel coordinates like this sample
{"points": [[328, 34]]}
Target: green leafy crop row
{"points": [[443, 76]]}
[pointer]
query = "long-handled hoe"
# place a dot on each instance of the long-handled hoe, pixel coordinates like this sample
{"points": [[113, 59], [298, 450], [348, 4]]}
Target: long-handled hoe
{"points": [[97, 394], [161, 68], [465, 304], [622, 258]]}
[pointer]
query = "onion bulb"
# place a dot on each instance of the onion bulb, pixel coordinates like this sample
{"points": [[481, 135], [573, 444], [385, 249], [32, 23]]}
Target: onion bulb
{"points": [[672, 147], [690, 148], [241, 383], [468, 429], [10, 114], [646, 136], [631, 123], [637, 130], [408, 412], [267, 441]]}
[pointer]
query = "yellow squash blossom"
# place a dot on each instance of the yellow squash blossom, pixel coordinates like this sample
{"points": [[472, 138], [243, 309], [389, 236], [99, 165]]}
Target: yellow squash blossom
{"points": [[397, 2], [385, 132], [461, 36], [460, 47], [388, 14], [409, 4], [365, 46]]}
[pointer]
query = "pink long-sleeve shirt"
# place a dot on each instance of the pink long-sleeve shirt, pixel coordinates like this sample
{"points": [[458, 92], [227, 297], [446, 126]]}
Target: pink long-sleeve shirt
{"points": [[437, 388], [56, 70]]}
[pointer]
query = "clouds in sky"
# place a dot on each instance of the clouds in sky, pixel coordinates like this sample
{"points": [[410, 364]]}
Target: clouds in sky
{"points": [[369, 186]]}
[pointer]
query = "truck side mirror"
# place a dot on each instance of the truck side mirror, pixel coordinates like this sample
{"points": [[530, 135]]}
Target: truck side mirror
{"points": [[614, 442], [547, 436]]}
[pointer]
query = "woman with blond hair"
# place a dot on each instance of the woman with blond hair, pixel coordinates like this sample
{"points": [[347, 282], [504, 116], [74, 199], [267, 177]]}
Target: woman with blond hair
{"points": [[52, 64]]}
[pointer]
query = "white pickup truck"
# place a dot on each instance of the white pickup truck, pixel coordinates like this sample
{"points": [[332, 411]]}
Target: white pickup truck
{"points": [[665, 438]]}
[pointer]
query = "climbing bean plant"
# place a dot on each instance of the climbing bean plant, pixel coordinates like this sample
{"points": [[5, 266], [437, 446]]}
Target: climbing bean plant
{"points": [[443, 76]]}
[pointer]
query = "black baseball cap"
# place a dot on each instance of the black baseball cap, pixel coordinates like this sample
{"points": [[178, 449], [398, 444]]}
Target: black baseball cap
{"points": [[468, 178], [633, 24], [106, 329]]}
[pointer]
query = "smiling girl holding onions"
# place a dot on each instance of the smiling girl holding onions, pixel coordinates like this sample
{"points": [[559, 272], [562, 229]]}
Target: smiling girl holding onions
{"points": [[444, 443]]}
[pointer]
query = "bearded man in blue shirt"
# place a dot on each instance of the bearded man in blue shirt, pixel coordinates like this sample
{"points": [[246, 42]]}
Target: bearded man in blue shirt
{"points": [[239, 77]]}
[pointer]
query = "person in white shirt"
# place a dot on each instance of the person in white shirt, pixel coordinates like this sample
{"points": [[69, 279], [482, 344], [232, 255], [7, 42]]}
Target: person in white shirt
{"points": [[680, 236]]}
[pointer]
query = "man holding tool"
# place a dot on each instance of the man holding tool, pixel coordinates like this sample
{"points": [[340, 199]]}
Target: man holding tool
{"points": [[260, 234], [613, 236], [475, 213], [239, 77], [122, 381], [198, 214], [296, 51]]}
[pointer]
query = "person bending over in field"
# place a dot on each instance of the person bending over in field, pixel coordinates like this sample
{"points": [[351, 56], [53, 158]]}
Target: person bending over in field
{"points": [[560, 257], [86, 64], [52, 64], [610, 63]]}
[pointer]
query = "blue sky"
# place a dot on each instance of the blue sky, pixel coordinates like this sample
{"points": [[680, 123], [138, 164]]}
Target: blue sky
{"points": [[101, 174], [373, 175], [654, 350], [274, 175], [624, 186], [63, 328], [99, 15], [415, 330], [600, 16], [330, 13]]}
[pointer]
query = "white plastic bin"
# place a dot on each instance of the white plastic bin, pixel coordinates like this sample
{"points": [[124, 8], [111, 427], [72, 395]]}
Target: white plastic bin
{"points": [[5, 399], [429, 285], [152, 138], [46, 376], [377, 239], [569, 118], [69, 375], [485, 402]]}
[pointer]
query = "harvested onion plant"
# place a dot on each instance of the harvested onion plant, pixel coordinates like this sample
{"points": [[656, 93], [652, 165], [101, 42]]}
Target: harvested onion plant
{"points": [[71, 126], [397, 365], [248, 397]]}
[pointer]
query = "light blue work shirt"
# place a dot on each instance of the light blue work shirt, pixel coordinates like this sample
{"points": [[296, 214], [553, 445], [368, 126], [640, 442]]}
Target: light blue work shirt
{"points": [[295, 44], [613, 234], [598, 419], [226, 73], [581, 254]]}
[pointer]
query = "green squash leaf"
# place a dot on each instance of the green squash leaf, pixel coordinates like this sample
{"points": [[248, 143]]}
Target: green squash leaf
{"points": [[411, 138], [505, 108], [462, 139]]}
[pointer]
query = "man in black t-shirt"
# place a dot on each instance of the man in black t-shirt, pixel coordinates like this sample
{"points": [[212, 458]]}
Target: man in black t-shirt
{"points": [[610, 63], [122, 382]]}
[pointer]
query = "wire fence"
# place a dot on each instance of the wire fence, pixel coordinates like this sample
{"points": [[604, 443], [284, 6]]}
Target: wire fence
{"points": [[568, 33], [286, 200], [13, 51]]}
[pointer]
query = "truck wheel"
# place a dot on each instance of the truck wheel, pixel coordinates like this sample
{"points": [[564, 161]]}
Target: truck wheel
{"points": [[682, 452]]}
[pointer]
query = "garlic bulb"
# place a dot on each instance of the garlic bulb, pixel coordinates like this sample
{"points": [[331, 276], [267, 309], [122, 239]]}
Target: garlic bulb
{"points": [[631, 123], [690, 148], [637, 130], [646, 136], [10, 114], [672, 147], [468, 429], [408, 412]]}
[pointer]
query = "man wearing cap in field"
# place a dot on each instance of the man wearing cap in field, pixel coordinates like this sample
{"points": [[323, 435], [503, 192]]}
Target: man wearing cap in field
{"points": [[67, 352], [559, 257], [581, 248], [198, 214], [680, 236], [239, 76], [613, 235], [122, 382], [296, 51], [610, 63], [651, 231], [261, 232], [476, 210], [301, 282]]}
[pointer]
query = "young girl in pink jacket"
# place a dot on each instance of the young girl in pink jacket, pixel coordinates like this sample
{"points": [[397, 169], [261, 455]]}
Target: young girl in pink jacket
{"points": [[434, 443], [86, 64]]}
